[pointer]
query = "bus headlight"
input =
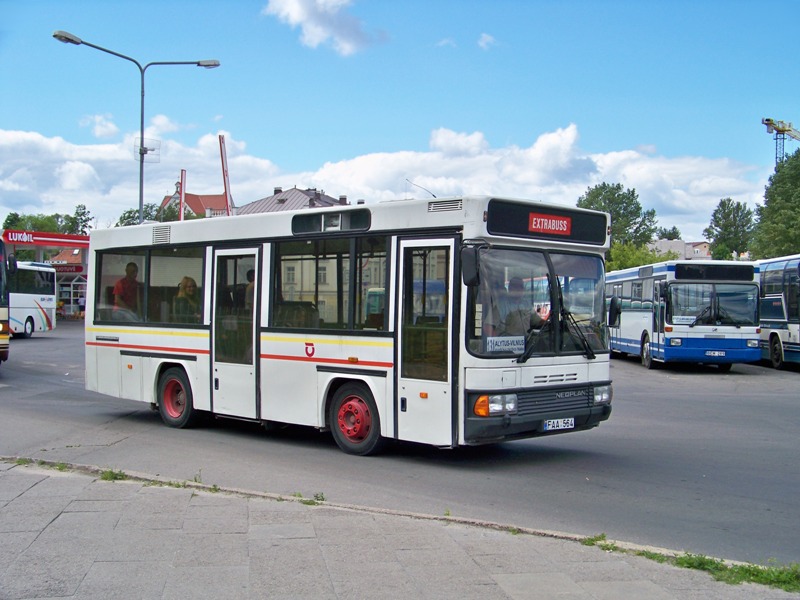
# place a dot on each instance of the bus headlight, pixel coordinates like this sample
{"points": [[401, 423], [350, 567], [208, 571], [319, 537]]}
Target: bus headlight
{"points": [[675, 342], [752, 343], [603, 394], [493, 405]]}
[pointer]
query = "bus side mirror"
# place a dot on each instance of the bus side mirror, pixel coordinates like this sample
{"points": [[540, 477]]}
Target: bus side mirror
{"points": [[12, 264], [469, 266], [614, 311]]}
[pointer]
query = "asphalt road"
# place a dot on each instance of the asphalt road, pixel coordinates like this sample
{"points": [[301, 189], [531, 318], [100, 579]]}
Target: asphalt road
{"points": [[692, 459]]}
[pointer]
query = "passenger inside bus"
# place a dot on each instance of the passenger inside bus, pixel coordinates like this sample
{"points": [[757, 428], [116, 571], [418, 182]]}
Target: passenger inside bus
{"points": [[126, 295], [186, 306]]}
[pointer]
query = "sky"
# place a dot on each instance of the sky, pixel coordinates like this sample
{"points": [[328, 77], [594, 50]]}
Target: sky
{"points": [[381, 100]]}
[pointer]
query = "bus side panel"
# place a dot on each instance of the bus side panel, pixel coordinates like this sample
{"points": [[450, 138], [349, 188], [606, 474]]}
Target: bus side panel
{"points": [[633, 324], [289, 367]]}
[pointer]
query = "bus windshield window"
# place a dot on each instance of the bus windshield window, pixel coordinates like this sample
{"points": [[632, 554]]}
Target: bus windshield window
{"points": [[713, 304], [513, 309], [582, 285]]}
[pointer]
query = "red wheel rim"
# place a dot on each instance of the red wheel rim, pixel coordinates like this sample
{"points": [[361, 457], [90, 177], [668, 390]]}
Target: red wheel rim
{"points": [[355, 420], [174, 398]]}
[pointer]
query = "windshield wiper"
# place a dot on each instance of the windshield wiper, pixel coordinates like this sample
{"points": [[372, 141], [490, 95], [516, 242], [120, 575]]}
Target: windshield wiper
{"points": [[530, 346], [704, 313], [577, 333]]}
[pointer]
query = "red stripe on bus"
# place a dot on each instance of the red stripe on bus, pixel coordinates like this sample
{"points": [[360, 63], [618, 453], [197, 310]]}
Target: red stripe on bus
{"points": [[155, 348], [332, 361]]}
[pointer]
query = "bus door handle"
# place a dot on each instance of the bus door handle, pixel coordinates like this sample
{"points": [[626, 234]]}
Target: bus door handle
{"points": [[216, 383], [403, 404]]}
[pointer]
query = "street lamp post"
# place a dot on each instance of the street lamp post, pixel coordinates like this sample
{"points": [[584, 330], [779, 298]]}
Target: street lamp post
{"points": [[68, 38]]}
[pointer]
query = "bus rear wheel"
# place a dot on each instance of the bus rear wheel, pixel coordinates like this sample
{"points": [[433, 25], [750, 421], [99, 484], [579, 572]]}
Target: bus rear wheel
{"points": [[776, 352], [175, 403], [27, 330], [354, 420]]}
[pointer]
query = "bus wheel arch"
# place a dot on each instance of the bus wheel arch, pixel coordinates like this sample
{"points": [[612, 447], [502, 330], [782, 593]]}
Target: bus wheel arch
{"points": [[353, 418], [776, 352], [175, 399]]}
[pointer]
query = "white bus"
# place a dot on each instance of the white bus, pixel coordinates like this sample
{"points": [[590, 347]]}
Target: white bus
{"points": [[780, 309], [32, 298], [307, 350], [697, 311]]}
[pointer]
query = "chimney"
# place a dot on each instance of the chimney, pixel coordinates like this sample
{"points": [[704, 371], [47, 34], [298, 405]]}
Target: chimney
{"points": [[343, 200], [277, 191]]}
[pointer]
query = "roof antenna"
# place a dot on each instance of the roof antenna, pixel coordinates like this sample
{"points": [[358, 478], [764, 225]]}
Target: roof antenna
{"points": [[422, 188]]}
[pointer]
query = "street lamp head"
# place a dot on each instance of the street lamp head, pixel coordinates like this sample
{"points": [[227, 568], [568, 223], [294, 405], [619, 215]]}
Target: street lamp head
{"points": [[67, 38], [208, 64]]}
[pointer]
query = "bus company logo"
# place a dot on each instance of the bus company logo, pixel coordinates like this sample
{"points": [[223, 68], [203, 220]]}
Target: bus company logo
{"points": [[552, 224], [572, 394], [20, 237]]}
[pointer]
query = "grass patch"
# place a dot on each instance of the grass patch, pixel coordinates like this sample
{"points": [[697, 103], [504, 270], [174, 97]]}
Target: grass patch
{"points": [[23, 461], [783, 577], [111, 475]]}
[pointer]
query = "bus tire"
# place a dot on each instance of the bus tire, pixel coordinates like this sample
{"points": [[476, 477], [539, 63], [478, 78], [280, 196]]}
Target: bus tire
{"points": [[776, 352], [175, 402], [354, 420], [724, 367], [27, 329], [647, 353]]}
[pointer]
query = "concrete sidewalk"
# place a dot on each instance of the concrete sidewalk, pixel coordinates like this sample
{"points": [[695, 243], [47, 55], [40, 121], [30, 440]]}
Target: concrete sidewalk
{"points": [[69, 534]]}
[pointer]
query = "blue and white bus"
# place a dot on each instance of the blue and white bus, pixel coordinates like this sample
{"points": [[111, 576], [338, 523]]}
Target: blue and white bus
{"points": [[686, 311], [780, 309]]}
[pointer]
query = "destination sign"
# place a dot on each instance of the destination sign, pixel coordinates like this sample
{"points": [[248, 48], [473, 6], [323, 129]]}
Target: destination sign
{"points": [[534, 220]]}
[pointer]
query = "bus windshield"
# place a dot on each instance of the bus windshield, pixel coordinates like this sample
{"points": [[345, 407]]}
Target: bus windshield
{"points": [[533, 302], [712, 304]]}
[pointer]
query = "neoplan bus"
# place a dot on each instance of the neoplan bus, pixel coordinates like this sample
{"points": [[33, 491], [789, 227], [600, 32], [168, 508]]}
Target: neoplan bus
{"points": [[278, 330], [7, 265], [686, 311], [780, 310], [32, 298]]}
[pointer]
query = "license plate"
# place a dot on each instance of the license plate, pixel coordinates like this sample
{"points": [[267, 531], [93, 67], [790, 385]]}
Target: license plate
{"points": [[715, 353], [553, 424]]}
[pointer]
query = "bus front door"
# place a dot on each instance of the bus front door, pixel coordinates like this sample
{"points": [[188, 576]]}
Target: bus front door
{"points": [[425, 400], [233, 377]]}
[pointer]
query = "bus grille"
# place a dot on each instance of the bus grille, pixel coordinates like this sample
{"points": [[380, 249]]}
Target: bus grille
{"points": [[444, 205], [546, 402], [161, 234]]}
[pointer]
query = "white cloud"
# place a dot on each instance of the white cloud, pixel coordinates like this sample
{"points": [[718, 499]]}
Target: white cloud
{"points": [[102, 125], [46, 175], [320, 22], [486, 41], [446, 42]]}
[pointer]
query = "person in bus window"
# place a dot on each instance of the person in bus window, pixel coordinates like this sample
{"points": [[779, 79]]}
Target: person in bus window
{"points": [[126, 295], [520, 317], [250, 290], [187, 302]]}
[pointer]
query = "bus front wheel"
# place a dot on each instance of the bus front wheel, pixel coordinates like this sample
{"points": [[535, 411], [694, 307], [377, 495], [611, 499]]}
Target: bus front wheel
{"points": [[27, 330], [776, 352], [354, 420], [647, 353], [175, 399]]}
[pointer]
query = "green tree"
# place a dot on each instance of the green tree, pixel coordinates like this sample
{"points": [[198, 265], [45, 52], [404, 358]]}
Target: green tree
{"points": [[79, 222], [730, 229], [777, 230], [131, 216], [662, 233], [625, 255], [630, 224]]}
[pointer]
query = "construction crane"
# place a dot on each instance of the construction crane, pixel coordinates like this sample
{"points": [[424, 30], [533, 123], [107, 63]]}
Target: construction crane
{"points": [[781, 129]]}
